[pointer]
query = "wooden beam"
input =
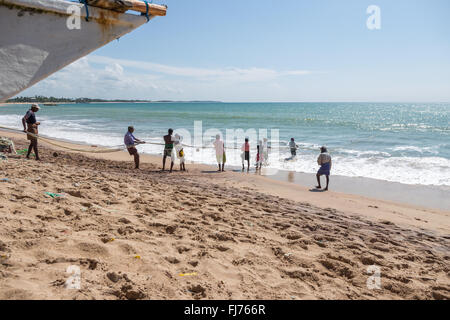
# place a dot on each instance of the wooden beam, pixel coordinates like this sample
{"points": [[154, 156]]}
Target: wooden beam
{"points": [[124, 5], [154, 9]]}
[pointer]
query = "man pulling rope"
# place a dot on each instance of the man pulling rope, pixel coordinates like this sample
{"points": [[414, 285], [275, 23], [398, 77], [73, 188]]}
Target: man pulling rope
{"points": [[32, 127]]}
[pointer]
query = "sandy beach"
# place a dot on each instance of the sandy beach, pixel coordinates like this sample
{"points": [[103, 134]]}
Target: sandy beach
{"points": [[147, 234]]}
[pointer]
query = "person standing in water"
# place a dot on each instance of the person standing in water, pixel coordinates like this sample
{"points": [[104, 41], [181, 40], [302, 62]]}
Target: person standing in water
{"points": [[220, 152], [30, 125], [293, 147], [168, 149], [259, 155], [265, 152], [324, 161], [246, 151], [130, 142]]}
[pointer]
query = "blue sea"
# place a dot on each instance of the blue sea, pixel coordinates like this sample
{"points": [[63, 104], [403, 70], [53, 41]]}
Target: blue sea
{"points": [[401, 142]]}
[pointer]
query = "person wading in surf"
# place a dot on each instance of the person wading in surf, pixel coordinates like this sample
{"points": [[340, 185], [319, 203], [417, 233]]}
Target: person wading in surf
{"points": [[30, 125], [293, 146], [324, 161]]}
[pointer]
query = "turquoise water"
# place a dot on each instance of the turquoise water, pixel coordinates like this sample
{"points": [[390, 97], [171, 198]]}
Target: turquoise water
{"points": [[403, 142]]}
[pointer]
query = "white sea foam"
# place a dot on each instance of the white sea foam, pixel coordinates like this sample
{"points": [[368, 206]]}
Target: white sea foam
{"points": [[426, 169]]}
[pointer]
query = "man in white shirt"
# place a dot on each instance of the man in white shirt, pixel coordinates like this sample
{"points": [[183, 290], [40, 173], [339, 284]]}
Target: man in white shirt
{"points": [[220, 152]]}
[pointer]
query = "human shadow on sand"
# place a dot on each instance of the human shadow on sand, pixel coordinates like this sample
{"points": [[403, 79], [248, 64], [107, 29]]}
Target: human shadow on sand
{"points": [[216, 171]]}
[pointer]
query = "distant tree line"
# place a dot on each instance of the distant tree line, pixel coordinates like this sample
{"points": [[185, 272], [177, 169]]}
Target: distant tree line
{"points": [[42, 99]]}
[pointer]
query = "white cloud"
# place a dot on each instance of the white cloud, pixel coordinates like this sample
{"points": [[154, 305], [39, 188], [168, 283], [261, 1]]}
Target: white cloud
{"points": [[108, 78], [231, 73]]}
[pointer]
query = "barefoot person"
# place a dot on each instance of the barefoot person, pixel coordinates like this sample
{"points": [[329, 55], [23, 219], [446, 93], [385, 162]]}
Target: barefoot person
{"points": [[324, 162], [180, 152], [30, 125], [265, 152], [261, 154], [293, 146], [168, 150], [258, 157], [220, 152], [130, 142], [246, 152]]}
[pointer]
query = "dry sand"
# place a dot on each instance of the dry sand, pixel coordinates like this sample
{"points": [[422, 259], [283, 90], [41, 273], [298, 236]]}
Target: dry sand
{"points": [[236, 236]]}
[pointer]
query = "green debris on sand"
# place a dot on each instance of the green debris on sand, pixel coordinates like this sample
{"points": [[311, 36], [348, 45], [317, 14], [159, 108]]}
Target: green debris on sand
{"points": [[54, 195], [23, 151]]}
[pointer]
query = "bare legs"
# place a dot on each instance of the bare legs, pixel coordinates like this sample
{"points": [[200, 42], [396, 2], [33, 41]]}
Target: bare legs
{"points": [[136, 160], [33, 146], [318, 182], [164, 163]]}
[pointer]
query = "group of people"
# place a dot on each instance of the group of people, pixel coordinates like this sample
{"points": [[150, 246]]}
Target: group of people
{"points": [[324, 159], [261, 153], [174, 148], [172, 144]]}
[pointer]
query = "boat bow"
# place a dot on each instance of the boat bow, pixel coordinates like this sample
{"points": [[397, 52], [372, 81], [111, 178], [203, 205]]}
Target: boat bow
{"points": [[38, 38]]}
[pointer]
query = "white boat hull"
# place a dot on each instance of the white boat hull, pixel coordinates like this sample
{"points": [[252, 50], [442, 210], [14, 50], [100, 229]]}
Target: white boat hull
{"points": [[36, 42]]}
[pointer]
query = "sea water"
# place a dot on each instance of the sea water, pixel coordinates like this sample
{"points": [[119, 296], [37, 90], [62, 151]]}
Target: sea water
{"points": [[401, 142]]}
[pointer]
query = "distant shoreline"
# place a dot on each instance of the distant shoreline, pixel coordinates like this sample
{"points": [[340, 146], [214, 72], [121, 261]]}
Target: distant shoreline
{"points": [[99, 102]]}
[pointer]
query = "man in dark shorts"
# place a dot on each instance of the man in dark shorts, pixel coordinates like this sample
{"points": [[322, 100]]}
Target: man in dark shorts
{"points": [[168, 150], [130, 142], [246, 154], [293, 146], [32, 127], [324, 161]]}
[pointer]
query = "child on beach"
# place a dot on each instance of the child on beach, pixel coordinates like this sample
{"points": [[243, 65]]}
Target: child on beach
{"points": [[259, 155], [324, 162], [180, 152], [246, 154]]}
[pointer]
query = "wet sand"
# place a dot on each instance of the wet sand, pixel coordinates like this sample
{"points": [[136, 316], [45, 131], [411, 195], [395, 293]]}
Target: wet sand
{"points": [[418, 195], [147, 234]]}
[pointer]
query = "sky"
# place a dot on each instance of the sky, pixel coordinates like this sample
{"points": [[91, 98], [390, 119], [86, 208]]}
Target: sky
{"points": [[271, 51]]}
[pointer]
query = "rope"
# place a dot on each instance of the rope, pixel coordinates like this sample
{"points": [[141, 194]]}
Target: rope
{"points": [[50, 141], [87, 10], [146, 11], [117, 148], [112, 149]]}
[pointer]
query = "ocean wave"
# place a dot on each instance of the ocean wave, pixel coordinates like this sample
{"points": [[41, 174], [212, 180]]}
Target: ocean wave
{"points": [[398, 155]]}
